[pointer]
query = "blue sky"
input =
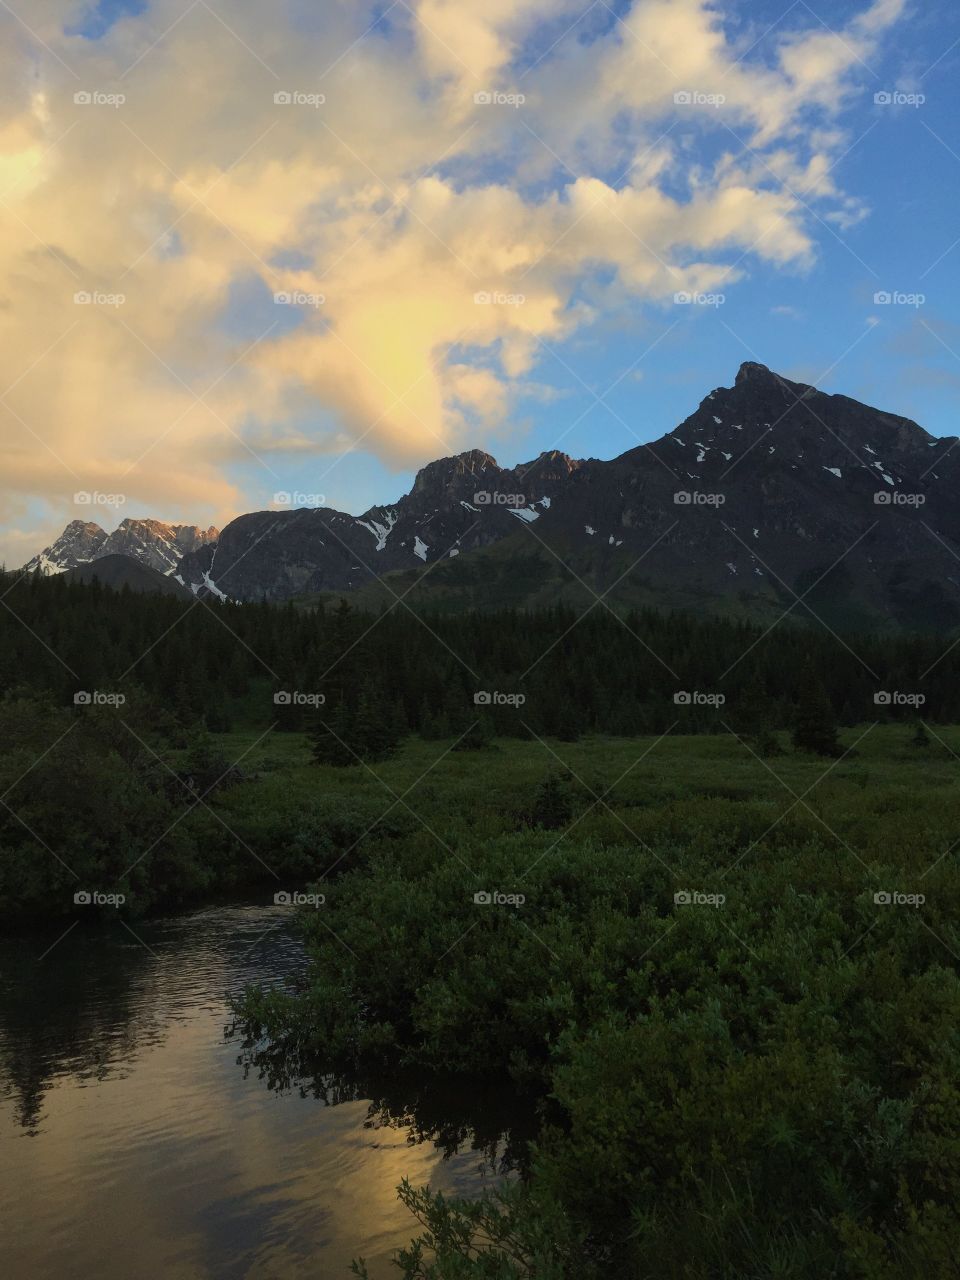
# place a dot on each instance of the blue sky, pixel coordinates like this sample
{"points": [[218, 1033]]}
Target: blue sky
{"points": [[817, 324], [382, 210]]}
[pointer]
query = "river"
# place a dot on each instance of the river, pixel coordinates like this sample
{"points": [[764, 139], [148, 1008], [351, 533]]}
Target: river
{"points": [[132, 1144]]}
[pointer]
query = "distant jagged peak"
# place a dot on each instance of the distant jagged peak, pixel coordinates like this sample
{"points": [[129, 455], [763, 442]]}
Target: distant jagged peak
{"points": [[157, 543], [160, 527], [82, 526], [473, 462], [552, 461], [753, 371]]}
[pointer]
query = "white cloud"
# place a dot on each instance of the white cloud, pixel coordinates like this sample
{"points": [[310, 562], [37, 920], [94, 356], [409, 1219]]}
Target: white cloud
{"points": [[401, 199]]}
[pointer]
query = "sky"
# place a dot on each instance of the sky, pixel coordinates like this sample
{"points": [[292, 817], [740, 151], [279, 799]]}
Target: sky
{"points": [[252, 250]]}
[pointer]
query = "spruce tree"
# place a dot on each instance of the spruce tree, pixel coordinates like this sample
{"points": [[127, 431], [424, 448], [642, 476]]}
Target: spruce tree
{"points": [[331, 734], [815, 726], [553, 802], [374, 731], [754, 720]]}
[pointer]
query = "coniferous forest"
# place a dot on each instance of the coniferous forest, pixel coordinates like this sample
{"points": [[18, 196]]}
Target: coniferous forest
{"points": [[231, 665]]}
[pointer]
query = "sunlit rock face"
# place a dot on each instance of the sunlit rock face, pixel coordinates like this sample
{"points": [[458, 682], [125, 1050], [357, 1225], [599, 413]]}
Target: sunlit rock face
{"points": [[153, 543]]}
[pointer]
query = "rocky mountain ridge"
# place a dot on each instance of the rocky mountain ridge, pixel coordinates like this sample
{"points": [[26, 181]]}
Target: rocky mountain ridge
{"points": [[771, 495], [154, 543]]}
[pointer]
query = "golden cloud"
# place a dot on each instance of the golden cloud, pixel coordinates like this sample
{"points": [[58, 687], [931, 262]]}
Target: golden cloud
{"points": [[154, 172]]}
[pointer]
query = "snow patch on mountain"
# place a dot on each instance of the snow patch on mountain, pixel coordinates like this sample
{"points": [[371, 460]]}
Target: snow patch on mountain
{"points": [[379, 529], [212, 587]]}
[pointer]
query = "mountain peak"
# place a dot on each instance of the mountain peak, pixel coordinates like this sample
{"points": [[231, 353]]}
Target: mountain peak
{"points": [[82, 526], [153, 542], [752, 371], [80, 541], [473, 462], [548, 465], [758, 379]]}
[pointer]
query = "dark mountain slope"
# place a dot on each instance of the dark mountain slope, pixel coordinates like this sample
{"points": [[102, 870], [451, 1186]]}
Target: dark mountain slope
{"points": [[769, 490], [118, 571]]}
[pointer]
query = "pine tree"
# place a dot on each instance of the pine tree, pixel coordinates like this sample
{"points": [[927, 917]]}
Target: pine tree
{"points": [[571, 721], [374, 732], [754, 719], [815, 726], [553, 802], [330, 736]]}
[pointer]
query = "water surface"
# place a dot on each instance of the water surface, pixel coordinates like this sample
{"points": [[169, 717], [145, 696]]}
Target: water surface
{"points": [[133, 1145]]}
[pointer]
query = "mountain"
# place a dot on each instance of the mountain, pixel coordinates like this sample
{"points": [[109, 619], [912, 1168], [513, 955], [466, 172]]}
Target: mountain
{"points": [[771, 490], [79, 543], [276, 555], [118, 571], [153, 543]]}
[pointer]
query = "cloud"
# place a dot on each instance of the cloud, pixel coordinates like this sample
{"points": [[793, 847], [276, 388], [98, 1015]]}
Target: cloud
{"points": [[219, 146]]}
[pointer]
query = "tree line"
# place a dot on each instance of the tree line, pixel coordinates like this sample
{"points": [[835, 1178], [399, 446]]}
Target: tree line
{"points": [[359, 682]]}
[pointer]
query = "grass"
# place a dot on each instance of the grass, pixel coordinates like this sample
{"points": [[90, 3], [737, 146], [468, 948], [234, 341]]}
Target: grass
{"points": [[884, 790]]}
